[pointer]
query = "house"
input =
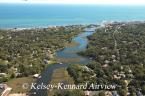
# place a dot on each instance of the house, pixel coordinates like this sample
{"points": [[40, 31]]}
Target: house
{"points": [[4, 89], [3, 75], [46, 61], [18, 94], [105, 65], [121, 67], [104, 48], [93, 76], [87, 93], [18, 74], [108, 93], [114, 60], [113, 56], [130, 71], [1, 90], [126, 82], [106, 61], [116, 77], [85, 68], [115, 71], [36, 75], [114, 93], [122, 74]]}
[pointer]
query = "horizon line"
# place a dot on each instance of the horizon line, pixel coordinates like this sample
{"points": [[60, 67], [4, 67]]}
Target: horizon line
{"points": [[75, 2], [71, 3]]}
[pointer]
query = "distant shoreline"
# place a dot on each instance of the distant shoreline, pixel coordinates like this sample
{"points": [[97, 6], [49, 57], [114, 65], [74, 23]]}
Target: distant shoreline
{"points": [[42, 27], [52, 26]]}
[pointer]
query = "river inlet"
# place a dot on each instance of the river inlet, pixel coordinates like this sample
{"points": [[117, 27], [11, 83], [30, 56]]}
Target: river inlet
{"points": [[67, 53]]}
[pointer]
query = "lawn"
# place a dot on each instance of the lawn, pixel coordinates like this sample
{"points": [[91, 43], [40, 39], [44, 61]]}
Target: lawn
{"points": [[17, 84], [59, 76]]}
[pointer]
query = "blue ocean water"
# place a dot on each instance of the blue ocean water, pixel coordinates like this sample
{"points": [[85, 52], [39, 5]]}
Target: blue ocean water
{"points": [[43, 15]]}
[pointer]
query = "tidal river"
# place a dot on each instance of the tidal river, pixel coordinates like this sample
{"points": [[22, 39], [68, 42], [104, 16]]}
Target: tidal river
{"points": [[67, 53]]}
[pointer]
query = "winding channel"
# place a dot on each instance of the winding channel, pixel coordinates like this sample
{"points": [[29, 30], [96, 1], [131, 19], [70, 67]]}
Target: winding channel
{"points": [[67, 53]]}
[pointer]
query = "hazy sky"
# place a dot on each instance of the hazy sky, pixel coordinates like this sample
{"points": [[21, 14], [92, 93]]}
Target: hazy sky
{"points": [[120, 2]]}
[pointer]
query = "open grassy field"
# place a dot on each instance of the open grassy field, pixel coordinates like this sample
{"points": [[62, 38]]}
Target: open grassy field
{"points": [[59, 76], [17, 84]]}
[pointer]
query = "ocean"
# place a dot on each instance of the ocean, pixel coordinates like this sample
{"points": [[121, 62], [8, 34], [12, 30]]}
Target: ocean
{"points": [[43, 15]]}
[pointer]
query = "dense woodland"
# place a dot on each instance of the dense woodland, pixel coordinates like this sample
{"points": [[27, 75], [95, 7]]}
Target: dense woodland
{"points": [[25, 52], [117, 51]]}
